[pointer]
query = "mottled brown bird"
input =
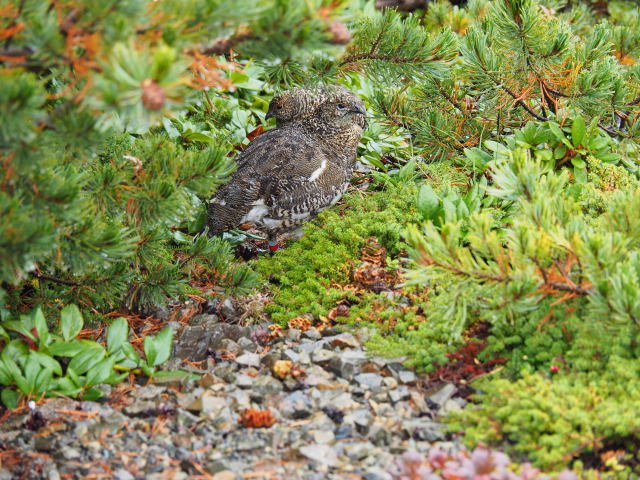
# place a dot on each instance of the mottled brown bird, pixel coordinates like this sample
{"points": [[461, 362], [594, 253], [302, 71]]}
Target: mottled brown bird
{"points": [[289, 174], [300, 102]]}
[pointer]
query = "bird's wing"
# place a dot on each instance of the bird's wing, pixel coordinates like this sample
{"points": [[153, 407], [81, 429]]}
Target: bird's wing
{"points": [[301, 193]]}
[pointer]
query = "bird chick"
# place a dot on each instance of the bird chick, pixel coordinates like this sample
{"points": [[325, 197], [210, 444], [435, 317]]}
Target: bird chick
{"points": [[289, 174], [299, 102]]}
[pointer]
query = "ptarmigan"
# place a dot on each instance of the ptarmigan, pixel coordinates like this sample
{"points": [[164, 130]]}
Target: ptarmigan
{"points": [[289, 174]]}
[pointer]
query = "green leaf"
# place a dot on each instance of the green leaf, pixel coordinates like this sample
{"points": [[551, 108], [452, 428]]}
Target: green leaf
{"points": [[92, 394], [559, 152], [6, 378], [47, 362], [70, 349], [100, 372], [497, 147], [10, 398], [580, 174], [70, 322], [43, 380], [67, 387], [578, 130], [428, 202], [559, 134], [117, 334], [41, 327], [85, 360], [20, 327], [158, 349], [578, 162]]}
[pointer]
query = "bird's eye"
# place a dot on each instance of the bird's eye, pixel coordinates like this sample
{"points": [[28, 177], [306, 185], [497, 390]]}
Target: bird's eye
{"points": [[279, 107], [342, 106]]}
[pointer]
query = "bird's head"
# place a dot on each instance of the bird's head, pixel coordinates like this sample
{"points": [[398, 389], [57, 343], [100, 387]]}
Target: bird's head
{"points": [[291, 105], [344, 109]]}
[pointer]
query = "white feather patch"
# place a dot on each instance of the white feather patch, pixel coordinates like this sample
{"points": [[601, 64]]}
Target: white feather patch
{"points": [[256, 213], [317, 172]]}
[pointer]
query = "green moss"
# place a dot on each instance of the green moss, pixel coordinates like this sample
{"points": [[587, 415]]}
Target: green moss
{"points": [[307, 275], [604, 179], [555, 421]]}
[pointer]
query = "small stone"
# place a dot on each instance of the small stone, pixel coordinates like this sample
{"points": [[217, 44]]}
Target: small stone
{"points": [[122, 474], [243, 381], [371, 381], [347, 364], [289, 354], [70, 453], [344, 340], [324, 436], [312, 333], [230, 346], [407, 377], [358, 451], [421, 429], [249, 360], [227, 309], [323, 356], [296, 405], [322, 454], [293, 334], [450, 406], [376, 473], [399, 394], [443, 394], [247, 344], [225, 475]]}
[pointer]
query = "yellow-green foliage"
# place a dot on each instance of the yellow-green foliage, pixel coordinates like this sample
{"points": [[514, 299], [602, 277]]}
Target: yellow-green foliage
{"points": [[554, 420], [604, 180], [301, 274]]}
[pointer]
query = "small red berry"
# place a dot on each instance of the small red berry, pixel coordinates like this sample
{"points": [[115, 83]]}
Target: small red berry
{"points": [[554, 369]]}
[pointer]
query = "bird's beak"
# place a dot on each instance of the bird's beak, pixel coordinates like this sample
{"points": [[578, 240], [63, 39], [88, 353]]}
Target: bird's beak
{"points": [[268, 116], [359, 110]]}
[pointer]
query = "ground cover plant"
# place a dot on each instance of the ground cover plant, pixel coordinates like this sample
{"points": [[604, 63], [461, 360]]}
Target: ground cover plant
{"points": [[491, 232]]}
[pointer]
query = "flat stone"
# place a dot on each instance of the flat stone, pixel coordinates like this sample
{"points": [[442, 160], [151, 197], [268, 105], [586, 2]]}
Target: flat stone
{"points": [[291, 355], [312, 333], [443, 394], [122, 474], [399, 394], [230, 346], [249, 360], [407, 377], [243, 381], [319, 453], [343, 340], [247, 345], [323, 356], [296, 405], [371, 381]]}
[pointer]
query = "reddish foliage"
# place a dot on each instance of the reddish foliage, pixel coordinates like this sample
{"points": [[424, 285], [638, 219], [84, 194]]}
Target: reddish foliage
{"points": [[464, 366], [252, 418]]}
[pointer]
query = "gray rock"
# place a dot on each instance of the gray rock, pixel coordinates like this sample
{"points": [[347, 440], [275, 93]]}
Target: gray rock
{"points": [[323, 356], [205, 334], [296, 405], [423, 429], [266, 385], [322, 454], [399, 394], [346, 365], [249, 360], [343, 340], [407, 377], [230, 346], [443, 394], [377, 473], [227, 308], [312, 333], [293, 334], [289, 354], [243, 381], [122, 474], [247, 345], [371, 381]]}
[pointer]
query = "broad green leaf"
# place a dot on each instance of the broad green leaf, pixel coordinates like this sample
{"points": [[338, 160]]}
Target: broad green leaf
{"points": [[70, 322], [497, 147], [6, 377], [43, 381], [580, 174], [428, 202], [20, 327], [47, 362], [578, 162], [559, 152], [117, 334], [100, 372], [85, 360], [158, 349], [578, 130], [10, 398], [72, 348], [41, 327], [92, 394], [66, 386], [559, 134]]}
